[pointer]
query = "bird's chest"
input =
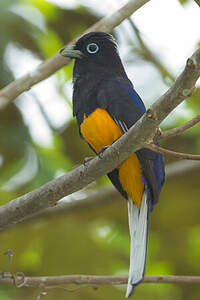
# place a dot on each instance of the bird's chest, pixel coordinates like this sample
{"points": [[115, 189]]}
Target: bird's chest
{"points": [[99, 129]]}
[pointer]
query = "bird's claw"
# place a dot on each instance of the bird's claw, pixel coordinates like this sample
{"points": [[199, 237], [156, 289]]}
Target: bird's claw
{"points": [[100, 153], [86, 160]]}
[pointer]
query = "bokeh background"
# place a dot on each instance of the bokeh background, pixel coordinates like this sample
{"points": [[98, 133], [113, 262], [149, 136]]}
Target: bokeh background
{"points": [[39, 141]]}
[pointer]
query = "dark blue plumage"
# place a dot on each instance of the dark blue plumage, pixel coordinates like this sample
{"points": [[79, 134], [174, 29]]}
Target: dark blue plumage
{"points": [[136, 98]]}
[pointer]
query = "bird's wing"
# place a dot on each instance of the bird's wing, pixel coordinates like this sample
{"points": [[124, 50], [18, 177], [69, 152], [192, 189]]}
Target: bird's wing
{"points": [[125, 106]]}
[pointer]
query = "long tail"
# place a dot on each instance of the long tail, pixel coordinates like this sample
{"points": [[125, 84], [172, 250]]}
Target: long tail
{"points": [[138, 226]]}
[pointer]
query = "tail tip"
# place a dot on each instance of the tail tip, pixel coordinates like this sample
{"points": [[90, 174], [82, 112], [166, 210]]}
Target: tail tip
{"points": [[129, 290], [131, 287]]}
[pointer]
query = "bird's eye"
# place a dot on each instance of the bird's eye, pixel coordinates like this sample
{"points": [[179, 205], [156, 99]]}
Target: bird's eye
{"points": [[92, 48]]}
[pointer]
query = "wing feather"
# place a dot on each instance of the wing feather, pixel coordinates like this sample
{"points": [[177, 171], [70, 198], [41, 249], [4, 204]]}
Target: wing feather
{"points": [[125, 106]]}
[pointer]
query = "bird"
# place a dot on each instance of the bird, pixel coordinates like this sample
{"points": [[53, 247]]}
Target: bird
{"points": [[106, 105]]}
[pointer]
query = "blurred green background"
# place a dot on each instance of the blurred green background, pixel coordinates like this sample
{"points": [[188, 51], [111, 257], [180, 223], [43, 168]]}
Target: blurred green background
{"points": [[39, 141]]}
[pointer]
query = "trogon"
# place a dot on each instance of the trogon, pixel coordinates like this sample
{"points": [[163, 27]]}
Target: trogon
{"points": [[106, 105]]}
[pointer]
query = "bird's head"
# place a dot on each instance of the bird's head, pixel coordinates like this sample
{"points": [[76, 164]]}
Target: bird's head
{"points": [[95, 52]]}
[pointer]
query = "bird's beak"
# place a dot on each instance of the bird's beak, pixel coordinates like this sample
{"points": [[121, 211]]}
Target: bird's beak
{"points": [[69, 51]]}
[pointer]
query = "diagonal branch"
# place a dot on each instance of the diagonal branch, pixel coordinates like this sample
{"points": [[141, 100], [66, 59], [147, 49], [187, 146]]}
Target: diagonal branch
{"points": [[180, 129], [50, 66], [46, 281], [108, 194], [139, 134], [174, 153], [197, 2]]}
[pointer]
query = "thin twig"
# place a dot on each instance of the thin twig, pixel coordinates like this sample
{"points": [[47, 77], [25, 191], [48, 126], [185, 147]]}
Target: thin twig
{"points": [[9, 253], [170, 152], [180, 129], [50, 66], [46, 281]]}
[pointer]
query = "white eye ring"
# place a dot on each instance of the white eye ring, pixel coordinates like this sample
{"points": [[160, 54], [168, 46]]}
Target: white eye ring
{"points": [[92, 48]]}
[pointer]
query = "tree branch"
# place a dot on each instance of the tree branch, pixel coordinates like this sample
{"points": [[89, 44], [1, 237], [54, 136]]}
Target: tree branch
{"points": [[45, 281], [108, 194], [197, 2], [50, 66], [139, 134], [170, 152], [180, 129], [99, 197]]}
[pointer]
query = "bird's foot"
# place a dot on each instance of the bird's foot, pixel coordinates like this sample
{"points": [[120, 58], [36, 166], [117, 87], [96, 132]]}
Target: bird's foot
{"points": [[100, 153], [87, 159]]}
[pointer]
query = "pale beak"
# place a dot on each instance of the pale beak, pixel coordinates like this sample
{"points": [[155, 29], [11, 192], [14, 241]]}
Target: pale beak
{"points": [[69, 51]]}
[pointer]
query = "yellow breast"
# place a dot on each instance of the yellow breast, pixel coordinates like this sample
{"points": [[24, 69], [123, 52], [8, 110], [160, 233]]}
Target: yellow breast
{"points": [[100, 130]]}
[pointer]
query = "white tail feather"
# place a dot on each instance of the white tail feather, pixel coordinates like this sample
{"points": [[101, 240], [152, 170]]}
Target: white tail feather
{"points": [[138, 226]]}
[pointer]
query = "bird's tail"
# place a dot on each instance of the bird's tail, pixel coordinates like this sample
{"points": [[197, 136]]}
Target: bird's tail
{"points": [[138, 226]]}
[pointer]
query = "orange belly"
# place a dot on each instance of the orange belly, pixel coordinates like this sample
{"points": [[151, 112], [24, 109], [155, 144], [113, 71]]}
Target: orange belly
{"points": [[99, 130]]}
